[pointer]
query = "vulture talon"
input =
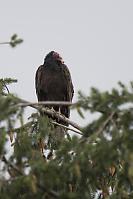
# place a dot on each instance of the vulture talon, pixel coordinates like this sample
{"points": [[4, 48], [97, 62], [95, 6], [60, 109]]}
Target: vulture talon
{"points": [[59, 112], [52, 109]]}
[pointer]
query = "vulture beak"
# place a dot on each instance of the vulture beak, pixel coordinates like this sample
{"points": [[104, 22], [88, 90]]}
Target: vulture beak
{"points": [[58, 57], [62, 61]]}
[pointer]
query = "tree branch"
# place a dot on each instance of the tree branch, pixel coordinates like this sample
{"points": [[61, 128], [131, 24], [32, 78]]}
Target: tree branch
{"points": [[1, 43], [65, 127], [114, 124], [51, 112], [61, 117], [49, 103]]}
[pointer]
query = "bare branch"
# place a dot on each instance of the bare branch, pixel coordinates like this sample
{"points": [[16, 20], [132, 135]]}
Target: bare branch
{"points": [[49, 103], [1, 43], [61, 117], [65, 127]]}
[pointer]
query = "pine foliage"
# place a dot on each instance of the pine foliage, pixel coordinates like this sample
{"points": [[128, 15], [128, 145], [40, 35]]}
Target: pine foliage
{"points": [[98, 164]]}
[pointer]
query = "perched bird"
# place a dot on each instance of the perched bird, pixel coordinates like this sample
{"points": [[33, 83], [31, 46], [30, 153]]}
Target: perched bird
{"points": [[53, 83]]}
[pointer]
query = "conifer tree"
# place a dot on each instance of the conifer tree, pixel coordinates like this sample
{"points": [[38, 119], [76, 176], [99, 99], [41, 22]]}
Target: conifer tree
{"points": [[97, 163]]}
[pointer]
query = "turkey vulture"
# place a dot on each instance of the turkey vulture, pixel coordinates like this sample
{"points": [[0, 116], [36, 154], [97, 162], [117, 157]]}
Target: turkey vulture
{"points": [[53, 83]]}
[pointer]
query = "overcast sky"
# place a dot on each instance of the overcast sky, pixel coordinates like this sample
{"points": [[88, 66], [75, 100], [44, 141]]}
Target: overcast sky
{"points": [[94, 37]]}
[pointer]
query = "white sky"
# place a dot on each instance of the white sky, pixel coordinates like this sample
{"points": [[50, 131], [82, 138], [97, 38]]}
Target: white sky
{"points": [[94, 37]]}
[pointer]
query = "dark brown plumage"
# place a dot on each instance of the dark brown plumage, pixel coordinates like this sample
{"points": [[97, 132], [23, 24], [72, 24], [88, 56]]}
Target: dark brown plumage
{"points": [[53, 82]]}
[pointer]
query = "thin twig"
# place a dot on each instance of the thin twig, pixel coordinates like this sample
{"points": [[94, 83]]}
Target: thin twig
{"points": [[30, 123], [61, 117], [65, 127], [5, 86], [49, 103], [114, 124], [105, 123], [1, 43]]}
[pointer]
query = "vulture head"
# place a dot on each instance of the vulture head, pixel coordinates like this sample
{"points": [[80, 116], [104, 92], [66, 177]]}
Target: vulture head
{"points": [[53, 57]]}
